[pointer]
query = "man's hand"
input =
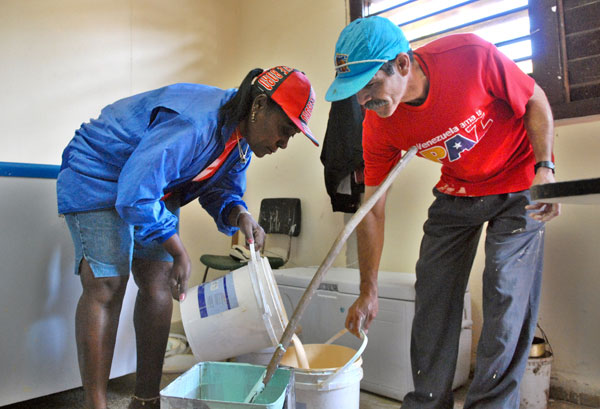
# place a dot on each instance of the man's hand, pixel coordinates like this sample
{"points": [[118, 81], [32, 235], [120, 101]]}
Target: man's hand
{"points": [[543, 212], [370, 244], [361, 313]]}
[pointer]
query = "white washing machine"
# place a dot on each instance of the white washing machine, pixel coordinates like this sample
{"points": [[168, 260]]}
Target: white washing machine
{"points": [[386, 360]]}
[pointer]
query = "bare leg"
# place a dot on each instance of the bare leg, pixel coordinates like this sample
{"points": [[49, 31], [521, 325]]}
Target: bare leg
{"points": [[152, 320], [96, 322]]}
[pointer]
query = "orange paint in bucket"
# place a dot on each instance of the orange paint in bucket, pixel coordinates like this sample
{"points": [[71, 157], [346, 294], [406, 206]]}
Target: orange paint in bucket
{"points": [[333, 379]]}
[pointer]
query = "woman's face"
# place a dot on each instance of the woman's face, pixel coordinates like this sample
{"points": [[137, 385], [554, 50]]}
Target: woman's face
{"points": [[270, 130]]}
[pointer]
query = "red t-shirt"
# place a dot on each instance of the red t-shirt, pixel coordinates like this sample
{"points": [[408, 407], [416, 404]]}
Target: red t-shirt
{"points": [[471, 122]]}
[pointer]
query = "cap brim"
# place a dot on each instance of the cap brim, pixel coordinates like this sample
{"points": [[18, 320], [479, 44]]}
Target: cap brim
{"points": [[344, 87], [305, 130]]}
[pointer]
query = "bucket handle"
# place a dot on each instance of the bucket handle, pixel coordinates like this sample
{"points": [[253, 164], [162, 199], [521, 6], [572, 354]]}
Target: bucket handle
{"points": [[545, 337], [259, 292], [263, 303], [352, 360]]}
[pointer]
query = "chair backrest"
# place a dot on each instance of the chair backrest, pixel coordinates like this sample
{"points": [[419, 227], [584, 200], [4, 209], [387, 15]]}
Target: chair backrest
{"points": [[280, 216]]}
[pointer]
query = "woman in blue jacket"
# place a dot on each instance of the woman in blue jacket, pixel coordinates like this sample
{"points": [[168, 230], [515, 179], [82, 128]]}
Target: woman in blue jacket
{"points": [[123, 178]]}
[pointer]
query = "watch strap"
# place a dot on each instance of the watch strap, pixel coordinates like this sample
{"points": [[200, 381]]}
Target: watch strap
{"points": [[544, 164]]}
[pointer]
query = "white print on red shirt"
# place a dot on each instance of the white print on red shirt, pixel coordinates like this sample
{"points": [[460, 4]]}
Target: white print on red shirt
{"points": [[454, 141]]}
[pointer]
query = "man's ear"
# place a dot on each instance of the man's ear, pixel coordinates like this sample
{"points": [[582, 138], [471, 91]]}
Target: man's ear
{"points": [[402, 63]]}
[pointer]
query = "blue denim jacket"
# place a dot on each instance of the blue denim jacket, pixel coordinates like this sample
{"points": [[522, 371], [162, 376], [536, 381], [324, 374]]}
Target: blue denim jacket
{"points": [[147, 145]]}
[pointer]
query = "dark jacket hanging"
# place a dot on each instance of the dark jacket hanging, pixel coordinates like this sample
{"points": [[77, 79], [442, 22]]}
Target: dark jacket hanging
{"points": [[342, 155]]}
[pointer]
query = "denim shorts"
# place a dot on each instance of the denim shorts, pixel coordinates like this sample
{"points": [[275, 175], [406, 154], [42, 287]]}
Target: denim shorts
{"points": [[107, 243]]}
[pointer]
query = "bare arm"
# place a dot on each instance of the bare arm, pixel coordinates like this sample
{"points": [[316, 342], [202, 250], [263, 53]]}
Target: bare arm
{"points": [[540, 130], [370, 234]]}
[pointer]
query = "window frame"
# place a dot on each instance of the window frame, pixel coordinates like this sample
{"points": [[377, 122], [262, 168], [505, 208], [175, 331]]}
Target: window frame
{"points": [[549, 56]]}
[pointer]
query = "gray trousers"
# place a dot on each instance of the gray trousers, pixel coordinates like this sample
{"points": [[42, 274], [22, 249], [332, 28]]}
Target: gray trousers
{"points": [[511, 292]]}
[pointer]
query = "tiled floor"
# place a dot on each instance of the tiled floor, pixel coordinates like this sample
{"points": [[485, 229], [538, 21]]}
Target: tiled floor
{"points": [[120, 390], [371, 401]]}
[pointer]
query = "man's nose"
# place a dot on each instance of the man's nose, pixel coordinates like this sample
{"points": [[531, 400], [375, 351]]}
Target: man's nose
{"points": [[363, 97]]}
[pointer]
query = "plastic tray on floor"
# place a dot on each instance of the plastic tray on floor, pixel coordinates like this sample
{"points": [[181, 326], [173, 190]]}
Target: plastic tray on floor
{"points": [[225, 385]]}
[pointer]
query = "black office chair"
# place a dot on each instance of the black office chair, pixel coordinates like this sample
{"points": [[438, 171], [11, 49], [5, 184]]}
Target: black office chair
{"points": [[277, 216]]}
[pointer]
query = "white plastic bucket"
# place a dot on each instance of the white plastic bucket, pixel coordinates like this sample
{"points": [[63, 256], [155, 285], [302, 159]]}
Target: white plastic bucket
{"points": [[238, 313], [262, 357], [333, 380], [535, 385]]}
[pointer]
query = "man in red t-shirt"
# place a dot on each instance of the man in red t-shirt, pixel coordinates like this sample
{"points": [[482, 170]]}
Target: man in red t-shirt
{"points": [[463, 104]]}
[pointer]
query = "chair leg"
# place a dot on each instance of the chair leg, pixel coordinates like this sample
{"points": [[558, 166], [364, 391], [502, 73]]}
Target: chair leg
{"points": [[205, 274], [289, 249]]}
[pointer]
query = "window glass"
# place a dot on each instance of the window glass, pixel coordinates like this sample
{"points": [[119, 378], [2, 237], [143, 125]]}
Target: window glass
{"points": [[504, 23]]}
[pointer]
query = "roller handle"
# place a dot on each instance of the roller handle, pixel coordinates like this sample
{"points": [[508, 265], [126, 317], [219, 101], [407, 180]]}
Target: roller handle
{"points": [[326, 264]]}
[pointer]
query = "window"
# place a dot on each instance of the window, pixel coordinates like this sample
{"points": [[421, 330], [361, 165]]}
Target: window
{"points": [[566, 41], [557, 42]]}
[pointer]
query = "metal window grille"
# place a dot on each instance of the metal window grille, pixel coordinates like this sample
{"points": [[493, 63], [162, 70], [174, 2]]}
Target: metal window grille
{"points": [[504, 23]]}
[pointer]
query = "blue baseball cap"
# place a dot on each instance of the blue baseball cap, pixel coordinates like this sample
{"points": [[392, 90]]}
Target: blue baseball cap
{"points": [[362, 48]]}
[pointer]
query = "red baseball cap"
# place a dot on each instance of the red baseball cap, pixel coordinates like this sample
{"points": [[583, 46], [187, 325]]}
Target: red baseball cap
{"points": [[292, 91]]}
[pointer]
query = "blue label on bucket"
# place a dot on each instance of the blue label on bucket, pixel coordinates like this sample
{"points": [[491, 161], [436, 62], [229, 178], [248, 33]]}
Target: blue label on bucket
{"points": [[217, 296]]}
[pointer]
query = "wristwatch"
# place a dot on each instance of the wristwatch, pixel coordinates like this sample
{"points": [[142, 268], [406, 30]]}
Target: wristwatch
{"points": [[543, 164]]}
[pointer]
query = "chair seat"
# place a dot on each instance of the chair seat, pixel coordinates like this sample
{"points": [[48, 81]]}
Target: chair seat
{"points": [[278, 216], [221, 262], [276, 262], [229, 263]]}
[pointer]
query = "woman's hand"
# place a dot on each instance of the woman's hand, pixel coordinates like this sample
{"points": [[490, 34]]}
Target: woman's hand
{"points": [[180, 274], [251, 230], [240, 217], [182, 267]]}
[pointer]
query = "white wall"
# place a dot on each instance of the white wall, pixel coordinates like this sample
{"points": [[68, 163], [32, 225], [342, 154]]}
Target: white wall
{"points": [[570, 309], [63, 60], [289, 33]]}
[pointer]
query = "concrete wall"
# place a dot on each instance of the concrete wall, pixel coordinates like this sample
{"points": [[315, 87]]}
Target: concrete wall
{"points": [[63, 60]]}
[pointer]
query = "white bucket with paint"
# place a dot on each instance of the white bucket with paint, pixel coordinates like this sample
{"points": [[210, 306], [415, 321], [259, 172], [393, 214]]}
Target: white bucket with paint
{"points": [[535, 385], [333, 380], [236, 314]]}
